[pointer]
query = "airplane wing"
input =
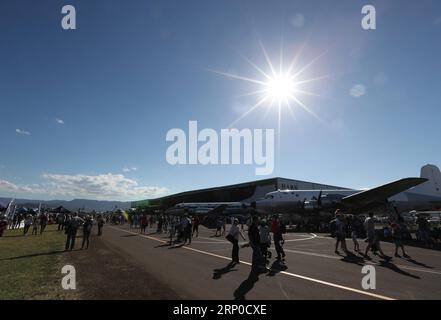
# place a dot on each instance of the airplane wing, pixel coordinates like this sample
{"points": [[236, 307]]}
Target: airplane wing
{"points": [[381, 193]]}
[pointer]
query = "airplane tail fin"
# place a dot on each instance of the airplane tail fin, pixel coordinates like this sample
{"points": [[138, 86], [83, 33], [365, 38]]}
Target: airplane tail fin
{"points": [[433, 186]]}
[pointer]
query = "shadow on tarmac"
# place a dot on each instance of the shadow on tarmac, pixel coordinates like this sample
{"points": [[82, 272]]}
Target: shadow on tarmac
{"points": [[128, 235], [276, 267], [353, 258], [246, 286], [391, 266], [419, 263], [217, 273]]}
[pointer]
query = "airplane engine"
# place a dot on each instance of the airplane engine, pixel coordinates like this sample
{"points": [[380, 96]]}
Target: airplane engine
{"points": [[311, 205]]}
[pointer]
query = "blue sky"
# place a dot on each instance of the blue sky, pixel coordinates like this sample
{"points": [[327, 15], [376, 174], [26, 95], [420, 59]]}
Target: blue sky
{"points": [[85, 112]]}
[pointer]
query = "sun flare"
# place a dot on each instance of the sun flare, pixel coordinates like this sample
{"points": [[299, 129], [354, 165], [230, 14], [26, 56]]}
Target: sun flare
{"points": [[280, 88]]}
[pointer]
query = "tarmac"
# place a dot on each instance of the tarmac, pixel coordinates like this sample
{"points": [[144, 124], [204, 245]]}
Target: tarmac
{"points": [[202, 270]]}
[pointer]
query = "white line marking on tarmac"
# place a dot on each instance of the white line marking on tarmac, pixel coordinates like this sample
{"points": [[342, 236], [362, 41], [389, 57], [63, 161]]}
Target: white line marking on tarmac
{"points": [[302, 239], [367, 262], [330, 284]]}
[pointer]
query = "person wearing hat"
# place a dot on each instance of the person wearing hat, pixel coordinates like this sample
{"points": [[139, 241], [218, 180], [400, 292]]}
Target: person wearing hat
{"points": [[233, 237]]}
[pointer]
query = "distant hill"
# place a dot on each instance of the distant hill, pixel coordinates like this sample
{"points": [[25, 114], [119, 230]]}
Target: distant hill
{"points": [[88, 205]]}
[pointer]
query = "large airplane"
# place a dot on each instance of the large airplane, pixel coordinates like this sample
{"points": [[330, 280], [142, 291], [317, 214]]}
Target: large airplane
{"points": [[423, 193]]}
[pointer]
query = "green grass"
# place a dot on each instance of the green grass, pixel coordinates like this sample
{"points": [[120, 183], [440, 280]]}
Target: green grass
{"points": [[30, 266]]}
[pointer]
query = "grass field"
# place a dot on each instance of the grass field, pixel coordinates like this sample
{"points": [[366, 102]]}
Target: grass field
{"points": [[30, 266]]}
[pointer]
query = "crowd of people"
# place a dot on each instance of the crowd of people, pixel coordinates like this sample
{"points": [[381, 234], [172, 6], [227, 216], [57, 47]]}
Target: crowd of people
{"points": [[72, 223], [68, 223], [262, 233], [181, 229], [394, 229]]}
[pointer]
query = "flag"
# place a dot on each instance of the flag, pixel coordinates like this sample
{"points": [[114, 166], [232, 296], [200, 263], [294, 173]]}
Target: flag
{"points": [[9, 208]]}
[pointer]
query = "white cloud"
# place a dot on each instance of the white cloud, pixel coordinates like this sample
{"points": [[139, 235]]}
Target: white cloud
{"points": [[358, 90], [11, 187], [101, 187], [129, 169], [26, 133], [298, 20], [59, 121]]}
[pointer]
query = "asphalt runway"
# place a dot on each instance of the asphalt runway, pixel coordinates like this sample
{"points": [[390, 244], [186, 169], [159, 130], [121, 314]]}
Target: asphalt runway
{"points": [[313, 270]]}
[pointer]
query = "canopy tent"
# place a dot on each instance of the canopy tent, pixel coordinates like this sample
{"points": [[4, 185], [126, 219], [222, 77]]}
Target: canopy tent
{"points": [[60, 209]]}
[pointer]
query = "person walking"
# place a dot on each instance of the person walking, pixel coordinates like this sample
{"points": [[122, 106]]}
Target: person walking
{"points": [[60, 221], [424, 230], [87, 229], [100, 224], [397, 236], [27, 224], [355, 228], [35, 225], [196, 222], [187, 229], [71, 232], [373, 237], [131, 220], [257, 265], [143, 223], [43, 222], [233, 237], [265, 240], [340, 232], [218, 228], [3, 225], [173, 227], [278, 229]]}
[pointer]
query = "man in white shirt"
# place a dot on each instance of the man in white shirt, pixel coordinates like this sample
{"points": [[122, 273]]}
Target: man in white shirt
{"points": [[233, 237]]}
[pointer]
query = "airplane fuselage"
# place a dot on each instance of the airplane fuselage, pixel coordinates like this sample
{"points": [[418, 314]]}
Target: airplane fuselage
{"points": [[309, 201]]}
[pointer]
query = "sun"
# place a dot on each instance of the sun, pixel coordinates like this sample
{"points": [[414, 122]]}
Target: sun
{"points": [[280, 88]]}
